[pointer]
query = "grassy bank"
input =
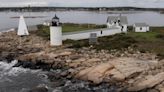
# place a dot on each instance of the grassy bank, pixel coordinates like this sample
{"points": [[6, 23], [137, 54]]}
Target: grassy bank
{"points": [[152, 41], [67, 27]]}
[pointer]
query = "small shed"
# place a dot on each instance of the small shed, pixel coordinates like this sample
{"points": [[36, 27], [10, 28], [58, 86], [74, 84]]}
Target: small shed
{"points": [[141, 27], [93, 38]]}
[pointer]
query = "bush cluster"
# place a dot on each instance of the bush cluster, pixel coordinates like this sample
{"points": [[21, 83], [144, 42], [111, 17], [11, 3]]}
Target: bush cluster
{"points": [[118, 41], [160, 36]]}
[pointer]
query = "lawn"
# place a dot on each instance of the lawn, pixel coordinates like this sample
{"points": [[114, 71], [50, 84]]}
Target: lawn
{"points": [[70, 27], [44, 31], [152, 41], [150, 36]]}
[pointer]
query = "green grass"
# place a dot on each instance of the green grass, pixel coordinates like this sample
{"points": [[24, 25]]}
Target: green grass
{"points": [[149, 36], [152, 41], [44, 31], [118, 42], [155, 34], [70, 27], [157, 29]]}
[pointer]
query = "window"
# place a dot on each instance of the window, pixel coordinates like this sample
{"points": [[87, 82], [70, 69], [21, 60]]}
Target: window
{"points": [[119, 21], [122, 27], [140, 28], [101, 32]]}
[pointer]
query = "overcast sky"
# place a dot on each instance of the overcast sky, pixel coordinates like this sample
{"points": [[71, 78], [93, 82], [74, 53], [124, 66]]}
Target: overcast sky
{"points": [[84, 3]]}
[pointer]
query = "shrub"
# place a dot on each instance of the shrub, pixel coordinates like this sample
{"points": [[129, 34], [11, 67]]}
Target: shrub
{"points": [[43, 31], [142, 51], [77, 44], [101, 26], [160, 36], [69, 41], [160, 56], [130, 28], [118, 42]]}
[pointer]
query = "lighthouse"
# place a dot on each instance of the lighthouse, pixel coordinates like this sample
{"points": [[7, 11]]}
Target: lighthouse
{"points": [[55, 32]]}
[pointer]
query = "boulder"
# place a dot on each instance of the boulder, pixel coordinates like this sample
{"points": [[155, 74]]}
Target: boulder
{"points": [[95, 74], [83, 62], [74, 57], [79, 60], [116, 75], [39, 89], [118, 69], [152, 90], [93, 60], [39, 56], [66, 53], [130, 67], [161, 89], [74, 64], [83, 73], [30, 57], [149, 82]]}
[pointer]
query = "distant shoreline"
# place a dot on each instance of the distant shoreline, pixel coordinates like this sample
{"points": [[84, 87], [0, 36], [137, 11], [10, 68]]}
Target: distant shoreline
{"points": [[29, 17], [36, 9]]}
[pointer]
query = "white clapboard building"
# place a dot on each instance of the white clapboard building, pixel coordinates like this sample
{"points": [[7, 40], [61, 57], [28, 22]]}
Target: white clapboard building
{"points": [[22, 27], [79, 35], [118, 21], [56, 35], [115, 24], [141, 27]]}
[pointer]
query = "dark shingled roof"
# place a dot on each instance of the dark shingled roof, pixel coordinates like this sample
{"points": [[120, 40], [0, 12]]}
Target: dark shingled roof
{"points": [[123, 19], [140, 24], [55, 17]]}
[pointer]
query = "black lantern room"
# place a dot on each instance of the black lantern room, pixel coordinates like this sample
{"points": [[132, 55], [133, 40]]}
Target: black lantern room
{"points": [[55, 21]]}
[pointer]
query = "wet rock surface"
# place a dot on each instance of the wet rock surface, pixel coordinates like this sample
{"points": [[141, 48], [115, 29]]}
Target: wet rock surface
{"points": [[39, 89], [149, 82], [85, 69]]}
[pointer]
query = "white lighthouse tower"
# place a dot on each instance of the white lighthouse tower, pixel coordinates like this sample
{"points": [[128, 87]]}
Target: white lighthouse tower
{"points": [[55, 32]]}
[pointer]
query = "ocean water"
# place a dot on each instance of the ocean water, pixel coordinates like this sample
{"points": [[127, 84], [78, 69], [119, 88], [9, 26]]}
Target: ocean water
{"points": [[18, 79], [95, 17]]}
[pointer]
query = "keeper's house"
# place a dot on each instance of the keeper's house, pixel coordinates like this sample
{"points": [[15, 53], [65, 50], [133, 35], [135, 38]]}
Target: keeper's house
{"points": [[118, 21], [115, 24], [141, 27]]}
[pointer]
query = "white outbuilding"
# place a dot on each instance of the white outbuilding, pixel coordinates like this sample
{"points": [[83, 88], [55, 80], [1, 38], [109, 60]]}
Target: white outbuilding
{"points": [[120, 22], [22, 27], [141, 27]]}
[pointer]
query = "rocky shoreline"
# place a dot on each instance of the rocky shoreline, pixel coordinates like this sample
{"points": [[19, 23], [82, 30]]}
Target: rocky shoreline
{"points": [[122, 71]]}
